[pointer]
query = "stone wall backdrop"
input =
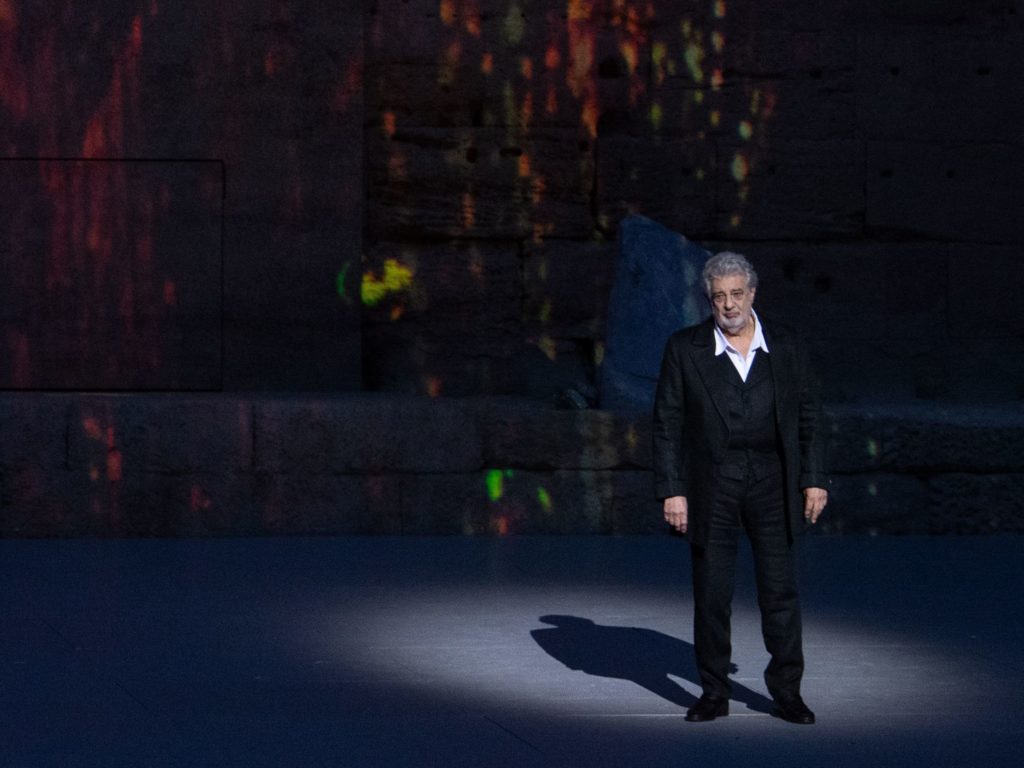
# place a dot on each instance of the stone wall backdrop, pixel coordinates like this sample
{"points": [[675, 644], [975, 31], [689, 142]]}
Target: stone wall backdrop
{"points": [[221, 220]]}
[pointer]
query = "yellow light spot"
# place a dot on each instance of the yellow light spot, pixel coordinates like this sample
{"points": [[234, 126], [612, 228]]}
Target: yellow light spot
{"points": [[698, 97], [740, 167], [487, 63], [755, 102], [548, 347], [719, 9], [715, 118], [657, 116], [717, 41], [659, 56], [629, 52], [746, 130], [447, 12], [734, 221], [397, 277], [545, 312]]}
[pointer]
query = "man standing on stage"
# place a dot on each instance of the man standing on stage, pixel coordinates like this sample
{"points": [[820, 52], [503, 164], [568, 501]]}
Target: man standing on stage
{"points": [[738, 445]]}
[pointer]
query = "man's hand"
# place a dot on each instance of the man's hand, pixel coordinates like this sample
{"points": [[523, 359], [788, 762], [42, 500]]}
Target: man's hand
{"points": [[675, 512], [815, 500]]}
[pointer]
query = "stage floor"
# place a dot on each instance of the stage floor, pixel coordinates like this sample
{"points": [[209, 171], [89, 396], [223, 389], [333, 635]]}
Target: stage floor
{"points": [[546, 651]]}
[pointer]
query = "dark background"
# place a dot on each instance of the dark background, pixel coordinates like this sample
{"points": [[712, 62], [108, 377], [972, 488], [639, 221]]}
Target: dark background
{"points": [[224, 223], [248, 161]]}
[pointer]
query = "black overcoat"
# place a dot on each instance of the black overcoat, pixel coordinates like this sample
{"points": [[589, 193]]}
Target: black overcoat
{"points": [[691, 431]]}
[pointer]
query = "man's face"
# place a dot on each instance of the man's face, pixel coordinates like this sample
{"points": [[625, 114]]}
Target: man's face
{"points": [[731, 302]]}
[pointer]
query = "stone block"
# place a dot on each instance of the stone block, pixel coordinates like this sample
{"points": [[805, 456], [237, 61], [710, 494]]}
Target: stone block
{"points": [[943, 191], [480, 182], [365, 434], [964, 503], [567, 285], [337, 505], [940, 85], [633, 508], [672, 182], [114, 436], [983, 282], [522, 502], [979, 439], [856, 291], [876, 504], [529, 436], [791, 189], [36, 427]]}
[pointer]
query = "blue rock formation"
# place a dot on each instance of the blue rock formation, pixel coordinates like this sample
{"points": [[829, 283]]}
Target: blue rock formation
{"points": [[656, 292]]}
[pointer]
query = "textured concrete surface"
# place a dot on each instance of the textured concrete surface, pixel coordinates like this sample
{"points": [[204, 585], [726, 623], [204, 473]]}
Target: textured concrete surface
{"points": [[522, 651]]}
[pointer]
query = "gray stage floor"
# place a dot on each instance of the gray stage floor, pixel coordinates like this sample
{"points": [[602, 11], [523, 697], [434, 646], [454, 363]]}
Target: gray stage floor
{"points": [[493, 652]]}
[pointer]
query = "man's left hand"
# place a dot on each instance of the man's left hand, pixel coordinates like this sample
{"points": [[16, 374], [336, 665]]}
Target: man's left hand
{"points": [[815, 500]]}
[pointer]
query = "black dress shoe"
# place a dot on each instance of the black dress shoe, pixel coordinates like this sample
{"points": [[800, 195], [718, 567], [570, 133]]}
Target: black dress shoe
{"points": [[793, 710], [707, 708]]}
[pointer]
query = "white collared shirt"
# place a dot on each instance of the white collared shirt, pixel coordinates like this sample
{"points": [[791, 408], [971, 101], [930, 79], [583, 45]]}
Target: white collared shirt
{"points": [[742, 363]]}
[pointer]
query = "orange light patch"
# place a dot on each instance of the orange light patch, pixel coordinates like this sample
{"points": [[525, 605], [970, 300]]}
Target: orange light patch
{"points": [[526, 67], [92, 428], [114, 466], [170, 293], [551, 103], [524, 166], [589, 117], [447, 12], [433, 386], [552, 58], [390, 122], [487, 63], [468, 210]]}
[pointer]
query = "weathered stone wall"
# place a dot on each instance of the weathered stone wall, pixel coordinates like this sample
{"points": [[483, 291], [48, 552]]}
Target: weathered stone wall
{"points": [[181, 190], [172, 465], [863, 154]]}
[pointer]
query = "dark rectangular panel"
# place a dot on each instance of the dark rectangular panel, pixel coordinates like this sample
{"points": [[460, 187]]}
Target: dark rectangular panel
{"points": [[110, 274]]}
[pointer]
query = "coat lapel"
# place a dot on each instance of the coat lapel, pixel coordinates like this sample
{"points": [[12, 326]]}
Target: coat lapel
{"points": [[703, 355]]}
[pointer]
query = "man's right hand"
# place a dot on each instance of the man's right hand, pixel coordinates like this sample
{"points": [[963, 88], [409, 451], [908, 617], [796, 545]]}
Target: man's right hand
{"points": [[675, 512]]}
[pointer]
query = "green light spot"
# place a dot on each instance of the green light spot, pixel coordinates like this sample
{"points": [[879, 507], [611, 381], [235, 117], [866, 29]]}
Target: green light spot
{"points": [[495, 484], [746, 130], [694, 56], [340, 283], [872, 448], [544, 498]]}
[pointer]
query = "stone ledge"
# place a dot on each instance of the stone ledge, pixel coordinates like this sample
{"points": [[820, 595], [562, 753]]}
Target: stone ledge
{"points": [[238, 464]]}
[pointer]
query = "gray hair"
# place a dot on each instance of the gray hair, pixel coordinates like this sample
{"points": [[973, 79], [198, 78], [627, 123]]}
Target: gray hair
{"points": [[726, 264]]}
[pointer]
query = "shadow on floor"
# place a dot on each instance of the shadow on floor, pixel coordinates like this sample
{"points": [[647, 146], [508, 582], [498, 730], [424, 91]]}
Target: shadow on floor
{"points": [[643, 656]]}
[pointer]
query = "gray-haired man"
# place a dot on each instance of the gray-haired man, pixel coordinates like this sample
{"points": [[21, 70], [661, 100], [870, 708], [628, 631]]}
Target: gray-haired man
{"points": [[738, 445]]}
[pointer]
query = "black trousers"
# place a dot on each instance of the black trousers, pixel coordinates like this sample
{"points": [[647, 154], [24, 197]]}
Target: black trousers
{"points": [[752, 502]]}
